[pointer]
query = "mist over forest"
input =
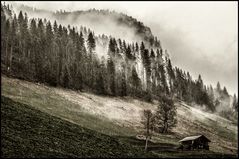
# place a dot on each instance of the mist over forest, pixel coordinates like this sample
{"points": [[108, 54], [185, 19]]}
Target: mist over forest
{"points": [[192, 40], [107, 66]]}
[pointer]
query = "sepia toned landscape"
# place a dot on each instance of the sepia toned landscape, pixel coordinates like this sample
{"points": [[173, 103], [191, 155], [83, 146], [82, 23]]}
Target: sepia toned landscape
{"points": [[85, 80]]}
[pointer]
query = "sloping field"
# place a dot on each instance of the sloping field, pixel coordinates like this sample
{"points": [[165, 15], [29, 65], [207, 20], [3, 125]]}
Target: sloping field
{"points": [[120, 116], [27, 132]]}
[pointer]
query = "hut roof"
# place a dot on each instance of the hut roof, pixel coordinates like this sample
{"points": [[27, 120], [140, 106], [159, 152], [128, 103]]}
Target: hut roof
{"points": [[190, 138]]}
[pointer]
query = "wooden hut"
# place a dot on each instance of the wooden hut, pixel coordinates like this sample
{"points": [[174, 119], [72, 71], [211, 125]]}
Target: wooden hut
{"points": [[194, 142]]}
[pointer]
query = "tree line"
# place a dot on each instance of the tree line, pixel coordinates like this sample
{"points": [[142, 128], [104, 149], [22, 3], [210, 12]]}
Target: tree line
{"points": [[40, 51]]}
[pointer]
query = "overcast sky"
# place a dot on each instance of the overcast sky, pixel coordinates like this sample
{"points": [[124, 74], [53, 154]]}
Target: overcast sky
{"points": [[201, 37]]}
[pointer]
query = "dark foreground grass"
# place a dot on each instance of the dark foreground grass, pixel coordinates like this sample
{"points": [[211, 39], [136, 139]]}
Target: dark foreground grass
{"points": [[27, 132]]}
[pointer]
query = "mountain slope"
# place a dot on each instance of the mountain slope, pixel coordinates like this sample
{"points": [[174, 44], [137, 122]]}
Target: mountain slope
{"points": [[91, 111], [118, 24], [135, 69]]}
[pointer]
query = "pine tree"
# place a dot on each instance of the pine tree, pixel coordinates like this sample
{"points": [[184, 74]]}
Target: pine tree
{"points": [[165, 116], [146, 61], [92, 58], [200, 83], [50, 66], [171, 74], [112, 50], [199, 92], [20, 18], [135, 81], [22, 31], [91, 43], [13, 44], [100, 84], [147, 66], [3, 31], [6, 42], [40, 52], [142, 49], [136, 47], [26, 36], [235, 103], [111, 75], [170, 70], [152, 55], [218, 87], [211, 95], [79, 80], [65, 78], [128, 53], [33, 43], [225, 92], [123, 85], [163, 85], [111, 67]]}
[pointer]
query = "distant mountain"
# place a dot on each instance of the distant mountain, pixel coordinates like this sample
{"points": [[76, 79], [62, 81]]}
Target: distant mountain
{"points": [[111, 23]]}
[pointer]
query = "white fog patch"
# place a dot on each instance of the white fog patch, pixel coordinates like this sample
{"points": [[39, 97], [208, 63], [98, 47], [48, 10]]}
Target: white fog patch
{"points": [[104, 25]]}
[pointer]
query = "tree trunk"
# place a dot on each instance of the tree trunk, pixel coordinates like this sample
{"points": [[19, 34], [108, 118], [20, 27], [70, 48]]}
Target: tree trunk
{"points": [[6, 54], [10, 59], [147, 134], [146, 144], [166, 127]]}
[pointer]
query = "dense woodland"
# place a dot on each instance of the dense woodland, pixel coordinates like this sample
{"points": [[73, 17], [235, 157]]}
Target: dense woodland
{"points": [[40, 51]]}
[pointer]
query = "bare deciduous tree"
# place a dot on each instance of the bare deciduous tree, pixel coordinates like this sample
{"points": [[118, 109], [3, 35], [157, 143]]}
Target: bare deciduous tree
{"points": [[147, 121]]}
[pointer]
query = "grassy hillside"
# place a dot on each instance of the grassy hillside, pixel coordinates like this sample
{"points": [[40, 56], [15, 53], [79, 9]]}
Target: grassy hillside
{"points": [[27, 132], [47, 100], [120, 118]]}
